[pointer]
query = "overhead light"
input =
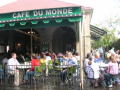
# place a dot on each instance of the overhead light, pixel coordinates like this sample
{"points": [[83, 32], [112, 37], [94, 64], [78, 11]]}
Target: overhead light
{"points": [[19, 44]]}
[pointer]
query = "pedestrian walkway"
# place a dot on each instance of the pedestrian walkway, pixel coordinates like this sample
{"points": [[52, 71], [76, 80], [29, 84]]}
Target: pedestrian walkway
{"points": [[48, 87]]}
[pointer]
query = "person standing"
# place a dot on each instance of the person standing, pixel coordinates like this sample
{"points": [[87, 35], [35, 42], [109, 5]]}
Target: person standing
{"points": [[12, 66]]}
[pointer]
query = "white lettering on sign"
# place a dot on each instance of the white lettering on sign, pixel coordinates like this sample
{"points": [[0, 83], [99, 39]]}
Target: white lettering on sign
{"points": [[21, 14], [54, 11], [59, 11], [37, 13], [70, 10], [48, 12], [65, 11], [43, 12]]}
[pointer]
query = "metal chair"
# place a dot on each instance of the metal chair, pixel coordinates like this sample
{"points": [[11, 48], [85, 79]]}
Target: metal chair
{"points": [[90, 75], [39, 74]]}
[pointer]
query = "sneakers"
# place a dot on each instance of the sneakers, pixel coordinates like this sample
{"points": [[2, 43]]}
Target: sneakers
{"points": [[110, 86]]}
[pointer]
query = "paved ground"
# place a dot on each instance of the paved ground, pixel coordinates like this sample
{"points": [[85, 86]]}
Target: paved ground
{"points": [[56, 88]]}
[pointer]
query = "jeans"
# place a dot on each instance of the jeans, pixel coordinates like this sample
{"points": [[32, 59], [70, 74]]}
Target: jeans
{"points": [[1, 73], [28, 75], [63, 75], [109, 79]]}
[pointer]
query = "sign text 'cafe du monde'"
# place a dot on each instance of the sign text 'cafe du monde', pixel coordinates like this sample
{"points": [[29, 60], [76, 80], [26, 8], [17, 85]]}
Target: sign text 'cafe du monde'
{"points": [[61, 11]]}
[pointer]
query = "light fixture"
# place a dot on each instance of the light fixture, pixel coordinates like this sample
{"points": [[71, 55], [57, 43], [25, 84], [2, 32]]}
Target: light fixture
{"points": [[18, 44]]}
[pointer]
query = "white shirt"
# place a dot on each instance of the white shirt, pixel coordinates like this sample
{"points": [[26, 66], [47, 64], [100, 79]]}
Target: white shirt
{"points": [[74, 60], [12, 64], [95, 72], [86, 62], [48, 58]]}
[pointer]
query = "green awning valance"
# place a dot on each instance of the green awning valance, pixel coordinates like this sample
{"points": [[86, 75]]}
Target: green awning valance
{"points": [[46, 21], [75, 19], [23, 23], [2, 24], [58, 20], [34, 22], [12, 24]]}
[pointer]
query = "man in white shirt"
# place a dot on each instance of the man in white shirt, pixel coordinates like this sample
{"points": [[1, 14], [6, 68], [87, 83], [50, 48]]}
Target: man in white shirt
{"points": [[12, 65]]}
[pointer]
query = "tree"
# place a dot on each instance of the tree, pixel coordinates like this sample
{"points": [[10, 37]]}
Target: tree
{"points": [[110, 38], [106, 40]]}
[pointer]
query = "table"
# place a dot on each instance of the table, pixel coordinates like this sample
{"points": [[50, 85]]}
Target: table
{"points": [[64, 66], [22, 70], [24, 66]]}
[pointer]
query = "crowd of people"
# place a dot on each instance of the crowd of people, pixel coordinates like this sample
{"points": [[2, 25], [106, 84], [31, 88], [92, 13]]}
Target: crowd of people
{"points": [[12, 65], [105, 67]]}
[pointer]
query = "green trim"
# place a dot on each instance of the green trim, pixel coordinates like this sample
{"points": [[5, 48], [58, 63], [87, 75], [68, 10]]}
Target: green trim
{"points": [[34, 22], [46, 21], [2, 24], [58, 20], [40, 22], [74, 19], [12, 24], [23, 23], [39, 25]]}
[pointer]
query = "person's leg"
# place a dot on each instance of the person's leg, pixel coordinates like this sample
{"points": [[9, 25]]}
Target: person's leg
{"points": [[63, 76], [108, 79], [16, 78], [28, 75], [1, 74], [113, 79]]}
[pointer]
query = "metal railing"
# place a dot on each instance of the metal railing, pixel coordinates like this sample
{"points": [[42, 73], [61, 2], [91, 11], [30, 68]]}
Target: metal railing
{"points": [[49, 75]]}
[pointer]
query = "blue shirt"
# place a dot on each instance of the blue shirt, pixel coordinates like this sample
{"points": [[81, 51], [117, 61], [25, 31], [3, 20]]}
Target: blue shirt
{"points": [[98, 60]]}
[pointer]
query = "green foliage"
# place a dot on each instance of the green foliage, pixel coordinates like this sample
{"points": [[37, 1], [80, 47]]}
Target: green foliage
{"points": [[112, 26], [116, 45], [106, 40]]}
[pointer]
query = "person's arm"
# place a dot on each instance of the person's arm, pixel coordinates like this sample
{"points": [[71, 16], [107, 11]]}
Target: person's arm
{"points": [[17, 63], [103, 65]]}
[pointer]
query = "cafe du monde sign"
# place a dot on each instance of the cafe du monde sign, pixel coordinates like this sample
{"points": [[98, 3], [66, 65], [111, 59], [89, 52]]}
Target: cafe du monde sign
{"points": [[40, 14], [51, 12]]}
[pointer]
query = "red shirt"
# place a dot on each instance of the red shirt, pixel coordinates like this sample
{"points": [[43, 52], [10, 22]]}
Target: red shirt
{"points": [[34, 62]]}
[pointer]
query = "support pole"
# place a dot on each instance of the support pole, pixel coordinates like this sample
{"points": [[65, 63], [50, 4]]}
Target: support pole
{"points": [[81, 54], [31, 51]]}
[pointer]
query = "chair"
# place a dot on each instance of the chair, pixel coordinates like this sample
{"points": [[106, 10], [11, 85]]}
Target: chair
{"points": [[70, 74], [90, 75], [43, 66], [50, 66], [39, 71], [56, 62]]}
